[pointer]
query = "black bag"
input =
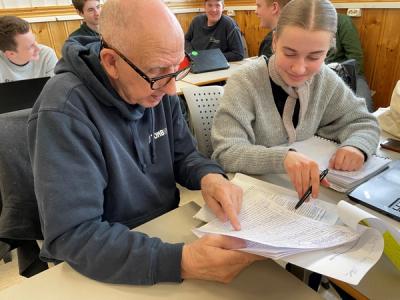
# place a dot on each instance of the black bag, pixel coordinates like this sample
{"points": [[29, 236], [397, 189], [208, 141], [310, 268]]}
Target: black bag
{"points": [[347, 70]]}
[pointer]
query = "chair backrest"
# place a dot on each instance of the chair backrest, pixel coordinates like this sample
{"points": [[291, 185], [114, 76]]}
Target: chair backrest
{"points": [[19, 216], [203, 102], [347, 70]]}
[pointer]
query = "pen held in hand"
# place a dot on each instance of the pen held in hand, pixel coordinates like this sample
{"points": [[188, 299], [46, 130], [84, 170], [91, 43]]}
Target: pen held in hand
{"points": [[309, 190]]}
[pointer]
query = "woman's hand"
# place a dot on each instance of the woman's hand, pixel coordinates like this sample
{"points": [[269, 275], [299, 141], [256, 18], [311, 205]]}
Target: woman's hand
{"points": [[347, 159], [303, 172]]}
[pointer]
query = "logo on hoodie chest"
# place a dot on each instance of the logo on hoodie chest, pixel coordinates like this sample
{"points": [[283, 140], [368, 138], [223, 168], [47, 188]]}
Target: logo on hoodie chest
{"points": [[213, 40], [159, 134]]}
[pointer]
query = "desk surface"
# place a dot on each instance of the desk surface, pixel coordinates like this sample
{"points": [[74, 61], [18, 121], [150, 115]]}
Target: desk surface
{"points": [[260, 280], [181, 85], [211, 77]]}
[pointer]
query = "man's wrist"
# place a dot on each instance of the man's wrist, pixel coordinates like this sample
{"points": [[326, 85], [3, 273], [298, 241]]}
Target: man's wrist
{"points": [[206, 177]]}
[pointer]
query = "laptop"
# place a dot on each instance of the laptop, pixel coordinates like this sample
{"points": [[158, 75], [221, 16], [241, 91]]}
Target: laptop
{"points": [[21, 94], [381, 192], [207, 60]]}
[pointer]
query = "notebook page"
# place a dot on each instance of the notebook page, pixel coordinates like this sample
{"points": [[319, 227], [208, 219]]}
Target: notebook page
{"points": [[321, 150]]}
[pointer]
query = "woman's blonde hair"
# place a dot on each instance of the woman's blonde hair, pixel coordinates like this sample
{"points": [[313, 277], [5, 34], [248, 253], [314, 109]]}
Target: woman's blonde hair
{"points": [[313, 15]]}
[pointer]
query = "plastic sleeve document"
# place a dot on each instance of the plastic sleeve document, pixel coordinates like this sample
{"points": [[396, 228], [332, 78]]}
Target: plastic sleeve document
{"points": [[345, 252]]}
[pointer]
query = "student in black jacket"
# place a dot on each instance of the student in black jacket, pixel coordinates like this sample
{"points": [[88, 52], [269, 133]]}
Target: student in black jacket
{"points": [[268, 11], [90, 11], [215, 30]]}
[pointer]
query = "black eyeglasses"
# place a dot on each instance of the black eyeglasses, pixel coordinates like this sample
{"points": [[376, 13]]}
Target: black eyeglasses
{"points": [[155, 82]]}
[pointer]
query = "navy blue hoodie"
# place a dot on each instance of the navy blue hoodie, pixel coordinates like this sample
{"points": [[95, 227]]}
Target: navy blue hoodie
{"points": [[102, 166]]}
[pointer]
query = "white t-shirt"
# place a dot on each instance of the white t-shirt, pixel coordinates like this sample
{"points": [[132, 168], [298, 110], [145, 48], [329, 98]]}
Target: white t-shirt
{"points": [[43, 67]]}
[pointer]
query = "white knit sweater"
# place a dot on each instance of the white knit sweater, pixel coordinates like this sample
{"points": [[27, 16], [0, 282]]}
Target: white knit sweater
{"points": [[248, 134]]}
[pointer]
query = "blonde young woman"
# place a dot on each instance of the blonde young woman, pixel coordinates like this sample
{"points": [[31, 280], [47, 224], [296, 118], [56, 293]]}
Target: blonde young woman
{"points": [[271, 103]]}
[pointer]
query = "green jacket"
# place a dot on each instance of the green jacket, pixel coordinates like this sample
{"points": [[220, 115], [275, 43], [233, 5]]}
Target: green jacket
{"points": [[348, 44]]}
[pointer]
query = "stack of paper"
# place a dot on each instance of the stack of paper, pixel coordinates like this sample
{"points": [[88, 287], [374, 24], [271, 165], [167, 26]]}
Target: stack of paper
{"points": [[321, 150], [306, 237], [275, 231]]}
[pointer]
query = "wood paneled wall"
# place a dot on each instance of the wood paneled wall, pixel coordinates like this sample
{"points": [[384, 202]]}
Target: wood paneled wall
{"points": [[378, 29], [54, 34]]}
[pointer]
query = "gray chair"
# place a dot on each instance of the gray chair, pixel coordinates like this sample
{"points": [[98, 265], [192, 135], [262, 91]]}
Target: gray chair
{"points": [[203, 102], [19, 216]]}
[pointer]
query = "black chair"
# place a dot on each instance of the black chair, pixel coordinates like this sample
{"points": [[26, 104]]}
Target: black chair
{"points": [[19, 216], [347, 70]]}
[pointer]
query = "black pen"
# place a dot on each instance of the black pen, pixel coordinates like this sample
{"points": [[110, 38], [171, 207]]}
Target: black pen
{"points": [[309, 190]]}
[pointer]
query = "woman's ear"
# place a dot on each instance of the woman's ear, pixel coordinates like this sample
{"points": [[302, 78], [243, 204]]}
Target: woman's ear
{"points": [[109, 62]]}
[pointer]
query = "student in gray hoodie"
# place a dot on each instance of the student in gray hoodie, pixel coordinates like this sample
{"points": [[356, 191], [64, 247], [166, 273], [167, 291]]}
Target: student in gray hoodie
{"points": [[108, 143]]}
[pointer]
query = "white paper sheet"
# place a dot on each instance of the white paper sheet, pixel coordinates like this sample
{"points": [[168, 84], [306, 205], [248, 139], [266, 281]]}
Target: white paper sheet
{"points": [[265, 222], [314, 209], [348, 262]]}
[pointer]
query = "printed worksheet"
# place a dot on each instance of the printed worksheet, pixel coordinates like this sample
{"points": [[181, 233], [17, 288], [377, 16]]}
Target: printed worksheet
{"points": [[307, 237]]}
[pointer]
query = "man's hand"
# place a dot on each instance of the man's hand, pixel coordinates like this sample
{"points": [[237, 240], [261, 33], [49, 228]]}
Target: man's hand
{"points": [[347, 159], [222, 197], [303, 172], [212, 258]]}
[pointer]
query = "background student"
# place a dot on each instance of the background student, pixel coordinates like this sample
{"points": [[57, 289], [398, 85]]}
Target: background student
{"points": [[268, 11], [269, 104], [90, 11], [215, 30], [21, 57], [348, 46]]}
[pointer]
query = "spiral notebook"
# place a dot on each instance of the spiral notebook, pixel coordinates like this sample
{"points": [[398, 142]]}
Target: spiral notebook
{"points": [[321, 150]]}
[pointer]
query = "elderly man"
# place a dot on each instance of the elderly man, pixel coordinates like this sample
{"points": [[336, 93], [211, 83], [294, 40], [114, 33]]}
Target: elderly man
{"points": [[21, 57], [215, 30], [108, 142], [89, 10], [268, 11]]}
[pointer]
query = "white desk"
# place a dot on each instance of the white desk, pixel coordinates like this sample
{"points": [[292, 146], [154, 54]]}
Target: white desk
{"points": [[211, 77], [181, 85], [262, 280]]}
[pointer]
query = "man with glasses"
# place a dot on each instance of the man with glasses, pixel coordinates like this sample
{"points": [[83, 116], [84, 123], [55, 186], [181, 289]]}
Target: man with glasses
{"points": [[108, 143]]}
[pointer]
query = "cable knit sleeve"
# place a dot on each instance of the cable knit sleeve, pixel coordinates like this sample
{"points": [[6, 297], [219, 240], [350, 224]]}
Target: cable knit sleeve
{"points": [[243, 131], [346, 118]]}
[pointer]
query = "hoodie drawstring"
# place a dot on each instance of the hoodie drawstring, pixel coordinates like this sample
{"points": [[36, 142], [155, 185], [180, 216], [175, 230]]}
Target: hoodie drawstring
{"points": [[152, 143], [138, 145]]}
